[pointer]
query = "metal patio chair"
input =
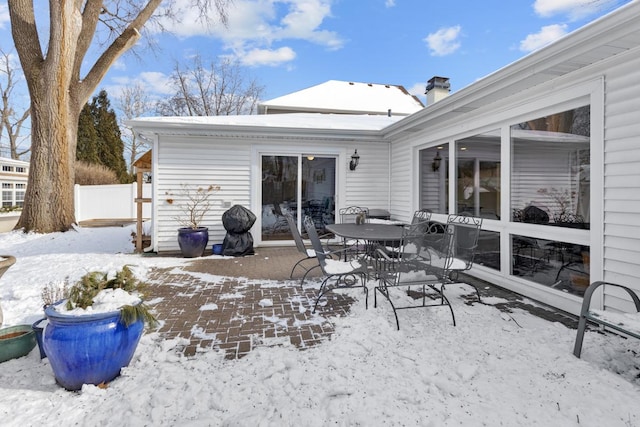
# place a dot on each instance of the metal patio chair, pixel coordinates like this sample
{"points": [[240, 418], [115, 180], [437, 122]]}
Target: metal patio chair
{"points": [[353, 214], [343, 274], [453, 247], [409, 279], [309, 254], [422, 220], [350, 214]]}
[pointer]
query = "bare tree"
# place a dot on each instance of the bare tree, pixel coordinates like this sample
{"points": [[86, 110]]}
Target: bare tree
{"points": [[10, 120], [211, 89], [52, 63], [133, 102]]}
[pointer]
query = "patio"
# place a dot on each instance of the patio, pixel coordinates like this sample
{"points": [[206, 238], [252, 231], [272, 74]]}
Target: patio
{"points": [[498, 365], [257, 301]]}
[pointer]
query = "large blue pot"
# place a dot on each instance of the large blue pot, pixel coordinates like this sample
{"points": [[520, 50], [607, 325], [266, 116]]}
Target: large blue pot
{"points": [[88, 349], [193, 241]]}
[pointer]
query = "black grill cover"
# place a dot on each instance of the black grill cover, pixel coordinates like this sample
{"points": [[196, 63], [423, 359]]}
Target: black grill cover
{"points": [[238, 220]]}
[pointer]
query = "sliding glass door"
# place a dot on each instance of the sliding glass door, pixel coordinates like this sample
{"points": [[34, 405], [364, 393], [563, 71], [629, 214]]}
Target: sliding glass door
{"points": [[293, 184]]}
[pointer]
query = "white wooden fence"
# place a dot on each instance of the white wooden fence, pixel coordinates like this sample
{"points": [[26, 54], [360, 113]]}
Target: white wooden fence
{"points": [[109, 201]]}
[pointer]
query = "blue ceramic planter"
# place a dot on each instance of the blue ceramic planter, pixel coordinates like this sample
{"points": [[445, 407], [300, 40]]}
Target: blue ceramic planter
{"points": [[88, 349], [193, 241]]}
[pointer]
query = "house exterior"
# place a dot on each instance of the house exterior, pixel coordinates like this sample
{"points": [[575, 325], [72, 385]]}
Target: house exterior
{"points": [[546, 150], [13, 180], [340, 97]]}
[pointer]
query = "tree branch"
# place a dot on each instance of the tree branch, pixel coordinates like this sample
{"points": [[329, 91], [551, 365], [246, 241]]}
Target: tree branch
{"points": [[24, 30], [90, 19], [120, 45]]}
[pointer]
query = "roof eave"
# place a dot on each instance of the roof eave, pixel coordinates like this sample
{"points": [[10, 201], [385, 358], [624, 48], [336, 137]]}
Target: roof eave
{"points": [[238, 131]]}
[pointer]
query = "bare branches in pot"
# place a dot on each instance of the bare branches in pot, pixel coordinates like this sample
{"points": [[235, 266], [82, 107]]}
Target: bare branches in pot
{"points": [[194, 203]]}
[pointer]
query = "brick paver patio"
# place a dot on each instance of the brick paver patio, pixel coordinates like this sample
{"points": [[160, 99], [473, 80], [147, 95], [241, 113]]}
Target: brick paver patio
{"points": [[245, 309], [254, 303]]}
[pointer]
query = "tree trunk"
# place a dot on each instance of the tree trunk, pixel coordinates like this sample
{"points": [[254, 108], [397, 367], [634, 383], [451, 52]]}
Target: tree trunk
{"points": [[58, 91], [49, 199]]}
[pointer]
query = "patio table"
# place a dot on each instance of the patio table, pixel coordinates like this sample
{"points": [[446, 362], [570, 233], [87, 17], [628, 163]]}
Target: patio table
{"points": [[370, 234], [367, 232]]}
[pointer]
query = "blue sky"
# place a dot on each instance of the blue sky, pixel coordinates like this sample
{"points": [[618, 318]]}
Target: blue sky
{"points": [[289, 45]]}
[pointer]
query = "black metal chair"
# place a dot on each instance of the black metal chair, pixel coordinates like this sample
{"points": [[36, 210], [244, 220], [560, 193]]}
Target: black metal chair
{"points": [[344, 274], [385, 255], [309, 254], [350, 214], [353, 214], [413, 269], [453, 250]]}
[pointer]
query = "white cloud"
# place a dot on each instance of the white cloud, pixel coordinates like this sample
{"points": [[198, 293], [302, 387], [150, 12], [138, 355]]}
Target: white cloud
{"points": [[119, 65], [268, 56], [156, 84], [4, 16], [255, 24], [546, 35], [418, 90], [574, 9], [390, 3], [444, 41], [155, 79]]}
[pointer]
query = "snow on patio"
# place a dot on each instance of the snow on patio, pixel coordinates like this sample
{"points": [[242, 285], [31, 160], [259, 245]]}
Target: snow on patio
{"points": [[494, 368]]}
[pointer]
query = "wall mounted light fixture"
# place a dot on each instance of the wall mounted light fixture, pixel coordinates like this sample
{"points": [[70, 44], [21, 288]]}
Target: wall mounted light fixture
{"points": [[355, 160], [436, 162]]}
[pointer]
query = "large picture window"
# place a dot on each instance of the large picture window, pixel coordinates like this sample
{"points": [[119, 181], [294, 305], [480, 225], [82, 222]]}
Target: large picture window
{"points": [[550, 181], [550, 187]]}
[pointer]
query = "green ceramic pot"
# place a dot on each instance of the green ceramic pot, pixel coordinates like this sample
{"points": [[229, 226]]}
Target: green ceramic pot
{"points": [[16, 341]]}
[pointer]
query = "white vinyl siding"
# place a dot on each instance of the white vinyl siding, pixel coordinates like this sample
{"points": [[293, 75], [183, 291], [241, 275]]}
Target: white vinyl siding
{"points": [[402, 173], [228, 163], [198, 161], [622, 180], [368, 185]]}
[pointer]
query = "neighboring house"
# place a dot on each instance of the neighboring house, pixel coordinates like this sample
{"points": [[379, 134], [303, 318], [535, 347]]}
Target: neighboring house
{"points": [[13, 180], [341, 97], [546, 150]]}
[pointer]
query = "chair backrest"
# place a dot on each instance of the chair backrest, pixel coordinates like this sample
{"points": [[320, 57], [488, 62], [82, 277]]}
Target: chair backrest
{"points": [[348, 215], [436, 250], [295, 233], [464, 232], [421, 215], [315, 242], [414, 260]]}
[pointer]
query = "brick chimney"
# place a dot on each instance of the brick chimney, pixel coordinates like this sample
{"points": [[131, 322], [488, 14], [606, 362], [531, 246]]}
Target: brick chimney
{"points": [[437, 88]]}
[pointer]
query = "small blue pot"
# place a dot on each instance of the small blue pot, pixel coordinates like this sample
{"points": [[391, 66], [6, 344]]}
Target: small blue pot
{"points": [[88, 349], [193, 241], [38, 328]]}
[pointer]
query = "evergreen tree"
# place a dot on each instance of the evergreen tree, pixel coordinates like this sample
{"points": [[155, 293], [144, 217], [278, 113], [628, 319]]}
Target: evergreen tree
{"points": [[99, 139], [87, 149]]}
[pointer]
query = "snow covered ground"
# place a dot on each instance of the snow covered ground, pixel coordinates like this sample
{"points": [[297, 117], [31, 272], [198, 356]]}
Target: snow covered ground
{"points": [[492, 369]]}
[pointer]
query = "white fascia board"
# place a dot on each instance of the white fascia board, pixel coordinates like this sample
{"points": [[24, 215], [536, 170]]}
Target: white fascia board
{"points": [[264, 132]]}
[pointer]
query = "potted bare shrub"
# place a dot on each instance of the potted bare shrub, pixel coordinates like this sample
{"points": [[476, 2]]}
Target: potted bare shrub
{"points": [[194, 203]]}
